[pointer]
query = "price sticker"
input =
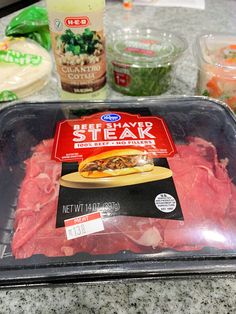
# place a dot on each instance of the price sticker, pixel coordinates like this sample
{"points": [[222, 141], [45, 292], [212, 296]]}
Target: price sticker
{"points": [[83, 225]]}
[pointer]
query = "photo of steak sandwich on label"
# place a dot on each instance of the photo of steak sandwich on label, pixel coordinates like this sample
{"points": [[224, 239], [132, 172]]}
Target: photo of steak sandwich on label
{"points": [[114, 168], [117, 162]]}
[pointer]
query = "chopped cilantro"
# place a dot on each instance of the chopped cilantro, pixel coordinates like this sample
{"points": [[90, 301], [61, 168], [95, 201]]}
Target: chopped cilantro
{"points": [[206, 93]]}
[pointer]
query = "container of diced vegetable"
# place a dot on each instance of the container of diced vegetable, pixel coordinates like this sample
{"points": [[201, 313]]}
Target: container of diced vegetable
{"points": [[142, 62], [216, 59]]}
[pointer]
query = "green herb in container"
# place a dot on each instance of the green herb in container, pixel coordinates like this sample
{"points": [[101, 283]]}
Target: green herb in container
{"points": [[142, 62]]}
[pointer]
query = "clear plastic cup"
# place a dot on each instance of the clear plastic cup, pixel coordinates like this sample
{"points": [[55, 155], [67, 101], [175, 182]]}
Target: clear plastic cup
{"points": [[142, 62], [216, 59]]}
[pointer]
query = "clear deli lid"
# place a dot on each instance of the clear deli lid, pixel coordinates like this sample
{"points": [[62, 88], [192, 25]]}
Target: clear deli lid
{"points": [[217, 51], [149, 47], [138, 232]]}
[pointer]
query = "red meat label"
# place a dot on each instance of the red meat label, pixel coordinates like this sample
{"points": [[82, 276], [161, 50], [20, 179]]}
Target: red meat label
{"points": [[78, 139]]}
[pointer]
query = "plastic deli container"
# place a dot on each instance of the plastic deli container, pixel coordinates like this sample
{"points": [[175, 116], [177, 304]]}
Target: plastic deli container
{"points": [[142, 62], [154, 193], [216, 59]]}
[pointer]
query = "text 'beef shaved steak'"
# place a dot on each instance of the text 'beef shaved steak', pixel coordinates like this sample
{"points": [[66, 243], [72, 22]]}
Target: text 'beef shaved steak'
{"points": [[206, 193]]}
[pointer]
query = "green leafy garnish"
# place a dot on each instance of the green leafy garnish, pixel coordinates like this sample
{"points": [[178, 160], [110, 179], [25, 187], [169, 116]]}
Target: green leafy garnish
{"points": [[144, 81], [206, 93]]}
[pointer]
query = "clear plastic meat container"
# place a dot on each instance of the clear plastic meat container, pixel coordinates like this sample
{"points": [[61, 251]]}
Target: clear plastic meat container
{"points": [[123, 190]]}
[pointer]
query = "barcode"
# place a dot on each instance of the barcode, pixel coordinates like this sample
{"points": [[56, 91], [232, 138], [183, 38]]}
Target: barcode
{"points": [[76, 231]]}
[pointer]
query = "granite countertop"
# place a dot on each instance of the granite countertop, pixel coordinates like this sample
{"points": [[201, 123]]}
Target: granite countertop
{"points": [[215, 295], [205, 295]]}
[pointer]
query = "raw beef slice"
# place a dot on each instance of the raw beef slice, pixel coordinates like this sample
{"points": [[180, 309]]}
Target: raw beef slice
{"points": [[207, 197]]}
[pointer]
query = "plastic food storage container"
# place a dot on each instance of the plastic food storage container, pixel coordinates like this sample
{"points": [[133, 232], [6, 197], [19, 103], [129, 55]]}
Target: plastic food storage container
{"points": [[122, 213], [216, 59], [142, 62]]}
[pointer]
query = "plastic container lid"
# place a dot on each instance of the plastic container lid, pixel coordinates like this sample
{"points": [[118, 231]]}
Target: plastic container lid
{"points": [[218, 52], [149, 47]]}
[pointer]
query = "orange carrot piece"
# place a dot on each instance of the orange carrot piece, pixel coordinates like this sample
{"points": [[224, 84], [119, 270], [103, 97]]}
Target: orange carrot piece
{"points": [[231, 102], [213, 88], [230, 60]]}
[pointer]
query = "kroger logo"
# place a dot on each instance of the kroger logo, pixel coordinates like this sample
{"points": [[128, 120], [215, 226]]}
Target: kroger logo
{"points": [[111, 117]]}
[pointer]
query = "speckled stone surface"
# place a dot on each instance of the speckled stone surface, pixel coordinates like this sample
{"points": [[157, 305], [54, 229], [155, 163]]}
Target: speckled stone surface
{"points": [[215, 295]]}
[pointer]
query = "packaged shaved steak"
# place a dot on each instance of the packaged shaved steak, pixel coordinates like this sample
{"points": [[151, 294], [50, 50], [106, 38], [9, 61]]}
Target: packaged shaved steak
{"points": [[116, 190]]}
